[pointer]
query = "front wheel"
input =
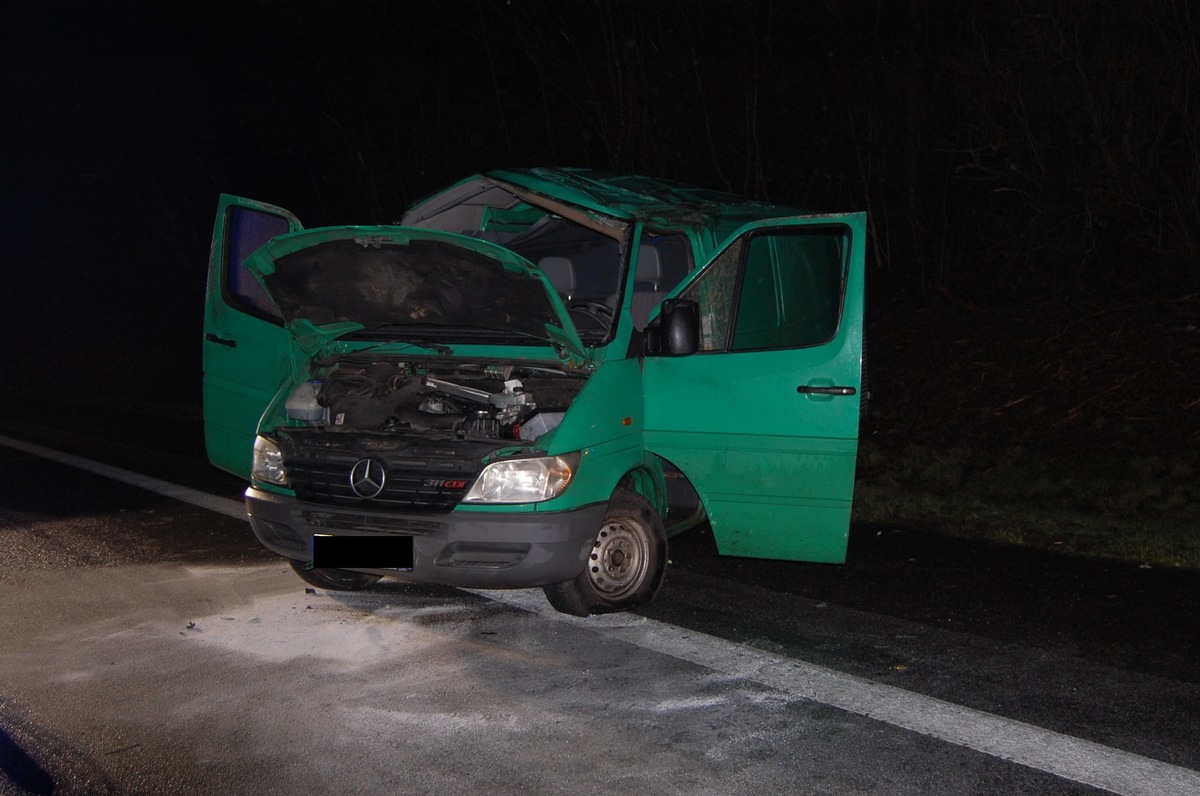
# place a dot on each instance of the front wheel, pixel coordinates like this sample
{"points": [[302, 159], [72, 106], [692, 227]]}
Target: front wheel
{"points": [[626, 563], [332, 579]]}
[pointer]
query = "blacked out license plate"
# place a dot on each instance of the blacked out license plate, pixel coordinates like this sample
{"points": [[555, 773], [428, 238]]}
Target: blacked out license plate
{"points": [[362, 552]]}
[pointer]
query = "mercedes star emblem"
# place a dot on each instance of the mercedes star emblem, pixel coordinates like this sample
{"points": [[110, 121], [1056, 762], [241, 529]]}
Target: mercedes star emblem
{"points": [[367, 478]]}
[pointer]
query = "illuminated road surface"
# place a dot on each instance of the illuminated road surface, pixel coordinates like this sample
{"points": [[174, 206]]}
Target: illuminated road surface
{"points": [[149, 646]]}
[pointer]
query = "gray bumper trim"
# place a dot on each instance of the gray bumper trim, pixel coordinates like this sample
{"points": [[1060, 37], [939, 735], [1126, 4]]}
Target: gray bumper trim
{"points": [[483, 550]]}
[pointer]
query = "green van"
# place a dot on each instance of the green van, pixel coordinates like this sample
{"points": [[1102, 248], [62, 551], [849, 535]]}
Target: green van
{"points": [[535, 378]]}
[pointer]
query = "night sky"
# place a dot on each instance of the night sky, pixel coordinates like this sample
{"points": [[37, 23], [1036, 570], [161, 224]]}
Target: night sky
{"points": [[1040, 146]]}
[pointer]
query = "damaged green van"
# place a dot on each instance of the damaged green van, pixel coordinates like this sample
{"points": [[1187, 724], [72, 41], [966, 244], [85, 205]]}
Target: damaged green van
{"points": [[534, 379]]}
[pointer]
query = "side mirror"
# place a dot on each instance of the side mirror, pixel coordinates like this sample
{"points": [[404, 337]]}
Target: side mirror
{"points": [[676, 330]]}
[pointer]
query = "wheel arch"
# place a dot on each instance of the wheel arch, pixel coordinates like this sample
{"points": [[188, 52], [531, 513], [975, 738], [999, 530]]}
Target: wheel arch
{"points": [[648, 481], [676, 499]]}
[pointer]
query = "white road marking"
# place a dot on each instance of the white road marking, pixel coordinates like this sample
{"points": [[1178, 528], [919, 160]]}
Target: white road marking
{"points": [[1062, 755], [230, 508], [1055, 753]]}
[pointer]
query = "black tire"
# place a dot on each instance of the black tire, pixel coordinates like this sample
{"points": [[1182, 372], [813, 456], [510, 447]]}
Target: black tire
{"points": [[332, 579], [627, 563]]}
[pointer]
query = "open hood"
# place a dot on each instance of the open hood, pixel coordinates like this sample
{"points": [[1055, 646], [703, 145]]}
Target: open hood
{"points": [[414, 285]]}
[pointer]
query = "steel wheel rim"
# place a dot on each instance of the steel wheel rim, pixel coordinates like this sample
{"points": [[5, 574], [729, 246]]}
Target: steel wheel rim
{"points": [[619, 559]]}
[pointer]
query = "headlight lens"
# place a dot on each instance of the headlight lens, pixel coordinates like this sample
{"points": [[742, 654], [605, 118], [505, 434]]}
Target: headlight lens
{"points": [[524, 480], [268, 463]]}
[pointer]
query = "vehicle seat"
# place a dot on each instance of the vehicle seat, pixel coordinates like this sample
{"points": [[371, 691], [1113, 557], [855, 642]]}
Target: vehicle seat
{"points": [[561, 273], [646, 286]]}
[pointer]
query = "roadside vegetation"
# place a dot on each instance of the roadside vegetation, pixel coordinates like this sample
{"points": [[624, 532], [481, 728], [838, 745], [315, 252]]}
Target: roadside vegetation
{"points": [[1064, 427]]}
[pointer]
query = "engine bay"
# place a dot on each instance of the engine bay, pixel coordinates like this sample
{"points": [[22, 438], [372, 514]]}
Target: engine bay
{"points": [[462, 401]]}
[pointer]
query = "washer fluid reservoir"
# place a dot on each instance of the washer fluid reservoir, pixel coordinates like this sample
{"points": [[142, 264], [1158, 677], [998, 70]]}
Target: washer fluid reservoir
{"points": [[302, 403]]}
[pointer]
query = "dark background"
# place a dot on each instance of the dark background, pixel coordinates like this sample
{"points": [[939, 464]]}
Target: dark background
{"points": [[1030, 169]]}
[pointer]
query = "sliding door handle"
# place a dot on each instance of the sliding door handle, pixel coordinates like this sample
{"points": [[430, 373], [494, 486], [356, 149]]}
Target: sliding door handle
{"points": [[805, 389]]}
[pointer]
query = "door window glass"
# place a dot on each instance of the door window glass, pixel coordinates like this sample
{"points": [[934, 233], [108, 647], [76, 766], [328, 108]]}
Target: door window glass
{"points": [[788, 290], [248, 229], [791, 292], [713, 292]]}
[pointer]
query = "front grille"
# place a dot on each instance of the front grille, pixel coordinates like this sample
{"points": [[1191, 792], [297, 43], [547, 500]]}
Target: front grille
{"points": [[329, 482], [418, 478]]}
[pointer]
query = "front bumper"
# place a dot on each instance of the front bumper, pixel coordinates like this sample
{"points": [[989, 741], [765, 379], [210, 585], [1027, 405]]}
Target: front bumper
{"points": [[484, 550]]}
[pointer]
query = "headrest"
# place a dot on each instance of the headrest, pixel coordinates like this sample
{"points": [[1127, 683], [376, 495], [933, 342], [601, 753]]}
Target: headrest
{"points": [[649, 265], [561, 273]]}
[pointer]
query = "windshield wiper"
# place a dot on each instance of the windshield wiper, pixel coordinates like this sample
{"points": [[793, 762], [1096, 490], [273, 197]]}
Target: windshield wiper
{"points": [[415, 334], [398, 334]]}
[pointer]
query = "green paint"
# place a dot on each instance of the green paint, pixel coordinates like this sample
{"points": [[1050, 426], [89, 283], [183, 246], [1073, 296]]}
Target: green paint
{"points": [[763, 420]]}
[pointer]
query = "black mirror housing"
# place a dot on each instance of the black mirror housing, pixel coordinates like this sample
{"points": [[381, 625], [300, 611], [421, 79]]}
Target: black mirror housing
{"points": [[676, 330]]}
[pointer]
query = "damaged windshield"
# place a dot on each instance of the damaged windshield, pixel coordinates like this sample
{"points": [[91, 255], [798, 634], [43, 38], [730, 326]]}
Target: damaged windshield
{"points": [[580, 255]]}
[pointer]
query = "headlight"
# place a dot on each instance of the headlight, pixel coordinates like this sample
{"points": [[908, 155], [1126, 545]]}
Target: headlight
{"points": [[268, 463], [524, 480]]}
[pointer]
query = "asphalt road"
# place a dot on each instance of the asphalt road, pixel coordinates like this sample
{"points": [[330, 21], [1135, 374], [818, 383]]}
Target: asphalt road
{"points": [[148, 645]]}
